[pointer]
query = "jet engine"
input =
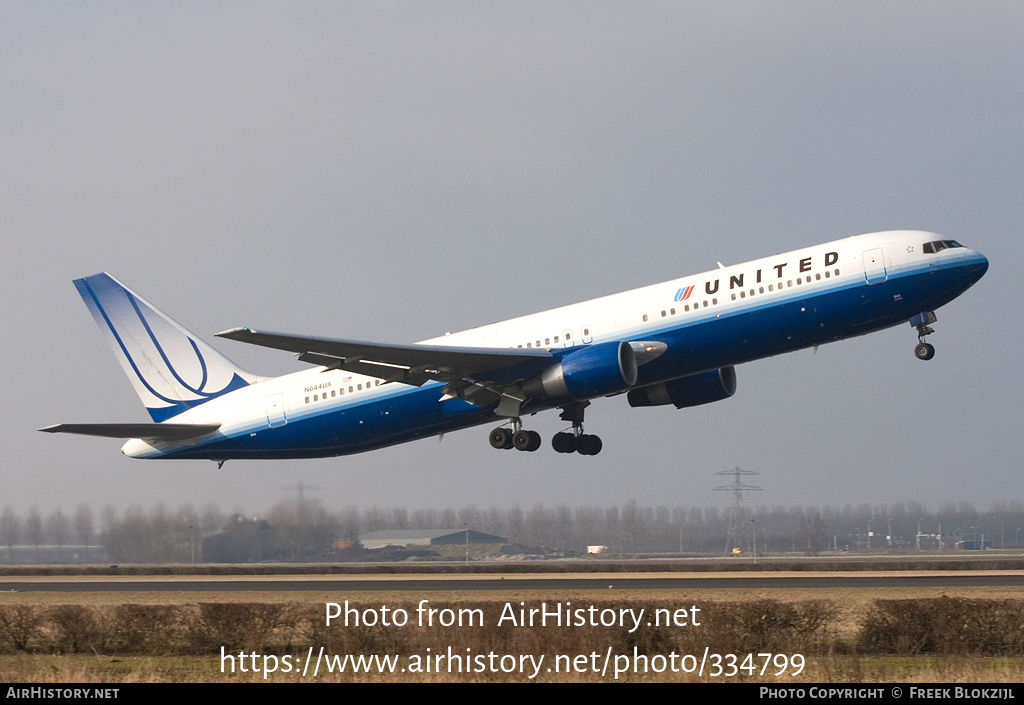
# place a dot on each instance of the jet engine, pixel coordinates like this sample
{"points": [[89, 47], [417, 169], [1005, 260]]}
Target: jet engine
{"points": [[593, 371], [693, 390]]}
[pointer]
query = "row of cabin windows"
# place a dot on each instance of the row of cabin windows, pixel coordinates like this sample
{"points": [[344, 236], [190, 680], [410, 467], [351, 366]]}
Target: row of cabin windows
{"points": [[696, 306], [686, 308], [743, 294], [341, 392], [556, 339], [789, 282]]}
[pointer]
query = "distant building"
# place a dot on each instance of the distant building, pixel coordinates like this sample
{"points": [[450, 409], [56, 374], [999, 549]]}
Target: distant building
{"points": [[436, 537], [244, 541]]}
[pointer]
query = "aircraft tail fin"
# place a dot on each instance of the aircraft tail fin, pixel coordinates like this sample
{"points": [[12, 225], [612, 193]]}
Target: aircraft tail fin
{"points": [[170, 368]]}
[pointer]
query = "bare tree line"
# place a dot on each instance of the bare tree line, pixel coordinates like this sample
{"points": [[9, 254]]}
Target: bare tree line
{"points": [[308, 530]]}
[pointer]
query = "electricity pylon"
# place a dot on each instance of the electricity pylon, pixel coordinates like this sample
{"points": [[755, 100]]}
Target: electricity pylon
{"points": [[735, 539]]}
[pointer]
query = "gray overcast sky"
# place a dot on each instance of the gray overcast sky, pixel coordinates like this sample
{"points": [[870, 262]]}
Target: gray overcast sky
{"points": [[389, 171]]}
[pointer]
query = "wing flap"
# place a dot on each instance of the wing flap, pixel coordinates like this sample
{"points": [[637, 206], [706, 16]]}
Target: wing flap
{"points": [[145, 431], [385, 372], [410, 364]]}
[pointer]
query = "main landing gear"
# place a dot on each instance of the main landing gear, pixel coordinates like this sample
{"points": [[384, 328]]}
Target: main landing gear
{"points": [[517, 437], [582, 443], [923, 350], [576, 441], [505, 438]]}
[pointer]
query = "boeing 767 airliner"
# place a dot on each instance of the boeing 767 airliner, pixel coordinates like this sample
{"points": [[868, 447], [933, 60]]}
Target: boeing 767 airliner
{"points": [[675, 344]]}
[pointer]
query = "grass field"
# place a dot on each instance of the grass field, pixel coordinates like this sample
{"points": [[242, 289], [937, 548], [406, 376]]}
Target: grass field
{"points": [[834, 657]]}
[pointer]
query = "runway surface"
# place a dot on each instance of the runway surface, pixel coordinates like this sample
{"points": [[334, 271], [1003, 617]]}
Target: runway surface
{"points": [[618, 581]]}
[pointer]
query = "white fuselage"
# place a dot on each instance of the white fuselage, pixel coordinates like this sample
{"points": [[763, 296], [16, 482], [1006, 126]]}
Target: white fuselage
{"points": [[709, 320]]}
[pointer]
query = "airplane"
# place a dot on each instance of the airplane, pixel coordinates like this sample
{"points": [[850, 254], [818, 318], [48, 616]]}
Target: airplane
{"points": [[670, 344]]}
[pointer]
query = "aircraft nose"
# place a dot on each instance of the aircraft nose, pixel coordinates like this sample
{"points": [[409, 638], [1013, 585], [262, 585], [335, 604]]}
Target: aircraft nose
{"points": [[977, 265]]}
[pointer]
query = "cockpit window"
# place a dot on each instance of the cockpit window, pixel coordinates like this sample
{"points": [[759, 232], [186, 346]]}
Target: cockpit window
{"points": [[930, 248]]}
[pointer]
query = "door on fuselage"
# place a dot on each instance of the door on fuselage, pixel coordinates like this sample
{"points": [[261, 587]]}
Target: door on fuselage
{"points": [[874, 266], [275, 410]]}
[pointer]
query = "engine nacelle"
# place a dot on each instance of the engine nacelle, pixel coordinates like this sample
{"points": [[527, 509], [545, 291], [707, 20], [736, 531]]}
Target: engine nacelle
{"points": [[594, 371], [694, 390]]}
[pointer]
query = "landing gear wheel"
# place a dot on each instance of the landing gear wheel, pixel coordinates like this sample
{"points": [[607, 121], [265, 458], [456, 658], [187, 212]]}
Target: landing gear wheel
{"points": [[575, 441], [500, 438], [924, 351], [526, 440], [587, 444], [563, 442]]}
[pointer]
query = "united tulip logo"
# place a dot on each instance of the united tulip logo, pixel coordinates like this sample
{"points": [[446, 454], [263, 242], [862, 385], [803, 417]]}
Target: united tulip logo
{"points": [[684, 294]]}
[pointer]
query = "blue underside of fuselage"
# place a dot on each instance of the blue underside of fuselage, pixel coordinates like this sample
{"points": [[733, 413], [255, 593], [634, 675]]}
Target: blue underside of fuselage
{"points": [[769, 325]]}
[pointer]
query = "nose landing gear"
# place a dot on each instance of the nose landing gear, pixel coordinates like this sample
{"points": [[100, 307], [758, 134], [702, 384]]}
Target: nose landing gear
{"points": [[924, 351], [922, 321]]}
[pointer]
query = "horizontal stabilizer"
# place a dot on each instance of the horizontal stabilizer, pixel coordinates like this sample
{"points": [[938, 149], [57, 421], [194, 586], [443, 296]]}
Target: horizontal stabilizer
{"points": [[146, 431]]}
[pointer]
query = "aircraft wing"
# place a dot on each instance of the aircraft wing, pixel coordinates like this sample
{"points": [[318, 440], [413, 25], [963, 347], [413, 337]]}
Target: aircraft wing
{"points": [[145, 431], [408, 364]]}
